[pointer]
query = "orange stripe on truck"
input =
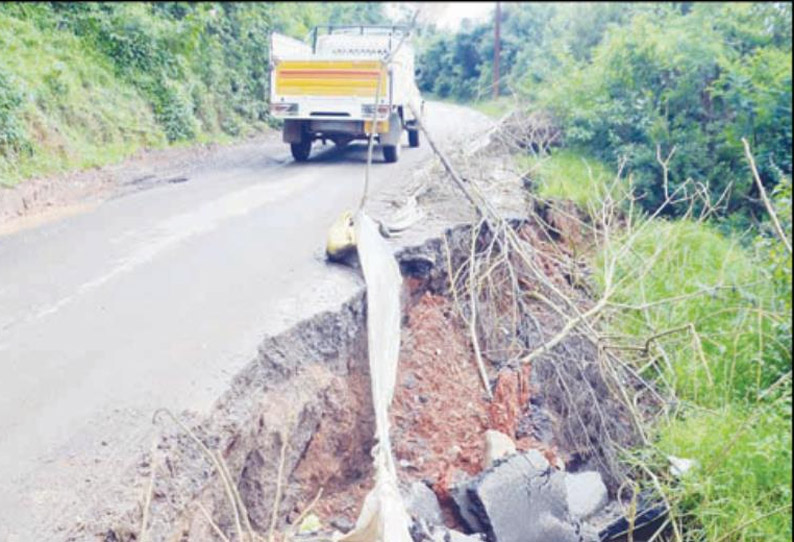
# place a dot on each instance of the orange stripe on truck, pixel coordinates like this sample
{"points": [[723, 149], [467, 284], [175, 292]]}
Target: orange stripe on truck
{"points": [[329, 78], [293, 73]]}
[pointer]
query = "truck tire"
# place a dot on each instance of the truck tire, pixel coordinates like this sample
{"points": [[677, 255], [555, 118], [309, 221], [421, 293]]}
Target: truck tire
{"points": [[391, 153], [413, 137], [301, 150]]}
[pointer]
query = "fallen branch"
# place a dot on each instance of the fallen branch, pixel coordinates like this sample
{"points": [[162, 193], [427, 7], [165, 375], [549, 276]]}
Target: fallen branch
{"points": [[473, 319], [304, 513], [565, 331], [767, 203]]}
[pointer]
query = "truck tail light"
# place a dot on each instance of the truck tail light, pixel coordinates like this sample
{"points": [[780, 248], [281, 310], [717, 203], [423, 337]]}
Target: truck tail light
{"points": [[368, 110], [284, 109]]}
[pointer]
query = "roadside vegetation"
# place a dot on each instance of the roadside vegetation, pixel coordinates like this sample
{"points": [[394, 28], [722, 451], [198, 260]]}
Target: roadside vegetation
{"points": [[652, 102], [83, 84]]}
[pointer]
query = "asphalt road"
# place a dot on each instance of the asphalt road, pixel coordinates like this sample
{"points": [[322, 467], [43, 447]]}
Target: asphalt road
{"points": [[157, 299]]}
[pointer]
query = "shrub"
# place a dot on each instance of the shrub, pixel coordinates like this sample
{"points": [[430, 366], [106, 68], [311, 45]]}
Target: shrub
{"points": [[13, 138]]}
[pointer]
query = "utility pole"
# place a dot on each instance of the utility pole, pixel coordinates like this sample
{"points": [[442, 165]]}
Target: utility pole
{"points": [[497, 22]]}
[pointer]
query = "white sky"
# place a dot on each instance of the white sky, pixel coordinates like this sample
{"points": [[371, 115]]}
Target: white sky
{"points": [[449, 15], [457, 11]]}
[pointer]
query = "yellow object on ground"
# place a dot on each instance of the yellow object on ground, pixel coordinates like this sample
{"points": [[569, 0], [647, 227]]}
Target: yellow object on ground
{"points": [[341, 238]]}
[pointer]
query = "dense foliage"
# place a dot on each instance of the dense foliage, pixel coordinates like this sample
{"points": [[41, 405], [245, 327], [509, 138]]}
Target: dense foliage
{"points": [[81, 82], [624, 78]]}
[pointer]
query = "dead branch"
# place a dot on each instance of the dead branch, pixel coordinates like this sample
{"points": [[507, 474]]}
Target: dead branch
{"points": [[665, 167], [306, 511], [768, 204], [473, 317]]}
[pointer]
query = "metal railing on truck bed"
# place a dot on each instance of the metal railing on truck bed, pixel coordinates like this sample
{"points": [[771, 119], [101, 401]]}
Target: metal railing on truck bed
{"points": [[361, 30]]}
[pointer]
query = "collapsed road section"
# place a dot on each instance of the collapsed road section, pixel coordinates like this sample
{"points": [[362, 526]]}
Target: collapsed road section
{"points": [[505, 427]]}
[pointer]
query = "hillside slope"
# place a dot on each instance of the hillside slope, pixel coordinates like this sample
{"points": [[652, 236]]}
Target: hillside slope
{"points": [[83, 84]]}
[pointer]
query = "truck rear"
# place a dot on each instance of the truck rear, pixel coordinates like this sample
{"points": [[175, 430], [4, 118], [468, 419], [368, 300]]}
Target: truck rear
{"points": [[351, 81]]}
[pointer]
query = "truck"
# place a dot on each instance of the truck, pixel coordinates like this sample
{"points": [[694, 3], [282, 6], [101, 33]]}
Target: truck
{"points": [[349, 82]]}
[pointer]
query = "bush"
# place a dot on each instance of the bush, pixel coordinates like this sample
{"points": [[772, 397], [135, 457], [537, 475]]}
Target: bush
{"points": [[13, 138], [173, 109]]}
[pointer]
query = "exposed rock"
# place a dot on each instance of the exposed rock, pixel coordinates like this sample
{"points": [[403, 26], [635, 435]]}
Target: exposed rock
{"points": [[518, 500], [343, 524], [510, 395], [422, 504], [497, 446], [462, 499], [537, 459], [586, 493]]}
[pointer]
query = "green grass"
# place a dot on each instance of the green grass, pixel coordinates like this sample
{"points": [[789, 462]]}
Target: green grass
{"points": [[740, 439], [734, 315], [741, 486], [77, 113], [567, 174]]}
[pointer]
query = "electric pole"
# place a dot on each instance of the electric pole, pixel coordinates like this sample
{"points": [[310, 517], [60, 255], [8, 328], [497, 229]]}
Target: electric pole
{"points": [[498, 16]]}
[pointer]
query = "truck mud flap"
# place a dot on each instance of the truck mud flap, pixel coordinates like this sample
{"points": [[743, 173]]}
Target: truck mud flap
{"points": [[293, 131]]}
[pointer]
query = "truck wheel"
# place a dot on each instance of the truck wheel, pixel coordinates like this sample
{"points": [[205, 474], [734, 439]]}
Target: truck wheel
{"points": [[413, 138], [301, 150], [391, 153]]}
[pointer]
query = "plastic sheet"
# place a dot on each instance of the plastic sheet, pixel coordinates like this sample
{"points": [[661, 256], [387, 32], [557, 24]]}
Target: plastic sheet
{"points": [[383, 517]]}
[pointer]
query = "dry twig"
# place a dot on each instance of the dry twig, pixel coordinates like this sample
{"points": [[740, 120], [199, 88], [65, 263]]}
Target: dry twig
{"points": [[768, 204]]}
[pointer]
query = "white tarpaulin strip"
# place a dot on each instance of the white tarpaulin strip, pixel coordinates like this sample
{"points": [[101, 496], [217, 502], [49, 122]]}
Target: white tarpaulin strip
{"points": [[383, 517]]}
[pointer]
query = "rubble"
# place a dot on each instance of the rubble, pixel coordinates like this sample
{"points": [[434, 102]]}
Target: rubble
{"points": [[422, 504], [497, 446], [586, 493], [515, 501]]}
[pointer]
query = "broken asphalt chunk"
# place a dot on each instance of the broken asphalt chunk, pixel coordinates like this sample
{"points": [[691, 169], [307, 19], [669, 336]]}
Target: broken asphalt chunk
{"points": [[518, 500]]}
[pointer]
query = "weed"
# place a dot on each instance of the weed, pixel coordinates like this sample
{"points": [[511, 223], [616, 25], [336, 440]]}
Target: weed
{"points": [[567, 174]]}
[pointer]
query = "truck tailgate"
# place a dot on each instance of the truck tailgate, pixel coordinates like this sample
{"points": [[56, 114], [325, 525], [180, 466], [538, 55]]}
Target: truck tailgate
{"points": [[358, 78]]}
